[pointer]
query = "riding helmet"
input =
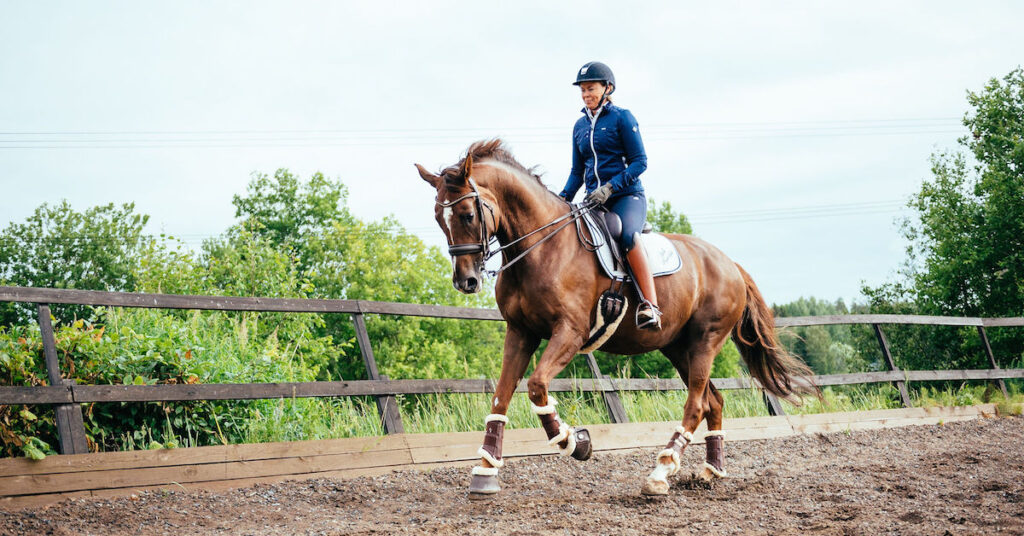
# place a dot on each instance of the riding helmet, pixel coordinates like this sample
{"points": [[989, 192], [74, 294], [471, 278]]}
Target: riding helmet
{"points": [[595, 71]]}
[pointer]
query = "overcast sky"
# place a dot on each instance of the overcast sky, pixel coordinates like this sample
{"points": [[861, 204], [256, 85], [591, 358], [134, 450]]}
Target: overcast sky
{"points": [[791, 133]]}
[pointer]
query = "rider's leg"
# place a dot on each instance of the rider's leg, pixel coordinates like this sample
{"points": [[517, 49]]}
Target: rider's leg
{"points": [[632, 210], [648, 314]]}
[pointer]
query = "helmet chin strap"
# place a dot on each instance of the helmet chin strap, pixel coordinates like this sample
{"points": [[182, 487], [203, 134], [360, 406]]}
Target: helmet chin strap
{"points": [[604, 96], [600, 103]]}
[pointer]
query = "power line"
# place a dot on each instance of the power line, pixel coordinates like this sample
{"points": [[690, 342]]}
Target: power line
{"points": [[888, 203], [470, 129], [802, 216], [707, 219], [257, 144]]}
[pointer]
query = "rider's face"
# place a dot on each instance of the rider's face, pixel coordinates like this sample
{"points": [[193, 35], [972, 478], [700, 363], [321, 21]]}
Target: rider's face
{"points": [[591, 92]]}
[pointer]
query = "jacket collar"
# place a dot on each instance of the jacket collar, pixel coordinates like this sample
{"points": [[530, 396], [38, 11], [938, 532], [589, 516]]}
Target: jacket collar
{"points": [[606, 107]]}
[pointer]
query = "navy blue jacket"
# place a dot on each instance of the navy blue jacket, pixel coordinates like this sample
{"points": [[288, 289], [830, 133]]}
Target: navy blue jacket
{"points": [[613, 141]]}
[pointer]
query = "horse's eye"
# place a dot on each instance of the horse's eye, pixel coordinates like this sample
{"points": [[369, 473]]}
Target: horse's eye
{"points": [[467, 218]]}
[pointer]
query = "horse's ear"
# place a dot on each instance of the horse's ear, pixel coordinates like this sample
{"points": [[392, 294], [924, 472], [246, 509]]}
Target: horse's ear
{"points": [[434, 180], [467, 167]]}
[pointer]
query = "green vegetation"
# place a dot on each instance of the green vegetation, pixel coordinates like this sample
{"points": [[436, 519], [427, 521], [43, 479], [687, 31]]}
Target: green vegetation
{"points": [[966, 252], [829, 349], [58, 247]]}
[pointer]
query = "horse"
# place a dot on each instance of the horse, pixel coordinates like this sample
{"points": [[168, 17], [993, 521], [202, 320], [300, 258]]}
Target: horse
{"points": [[549, 287]]}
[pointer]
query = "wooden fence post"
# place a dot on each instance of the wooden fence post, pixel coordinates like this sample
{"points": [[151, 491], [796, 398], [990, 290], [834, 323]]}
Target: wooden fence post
{"points": [[70, 425], [387, 406], [900, 384], [772, 403], [992, 359], [611, 398]]}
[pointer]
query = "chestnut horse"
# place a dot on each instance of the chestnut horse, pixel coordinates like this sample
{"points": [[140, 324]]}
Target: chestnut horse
{"points": [[551, 292]]}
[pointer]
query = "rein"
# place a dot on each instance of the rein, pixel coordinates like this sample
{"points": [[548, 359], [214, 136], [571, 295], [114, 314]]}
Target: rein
{"points": [[483, 247]]}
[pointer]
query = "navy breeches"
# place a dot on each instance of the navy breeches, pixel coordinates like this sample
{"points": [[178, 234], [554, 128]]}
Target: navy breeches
{"points": [[632, 209]]}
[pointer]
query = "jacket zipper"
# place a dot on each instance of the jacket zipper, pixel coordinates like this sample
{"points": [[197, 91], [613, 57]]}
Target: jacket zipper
{"points": [[593, 124]]}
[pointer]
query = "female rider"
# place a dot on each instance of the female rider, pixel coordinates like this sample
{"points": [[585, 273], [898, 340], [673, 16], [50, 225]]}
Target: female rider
{"points": [[608, 157]]}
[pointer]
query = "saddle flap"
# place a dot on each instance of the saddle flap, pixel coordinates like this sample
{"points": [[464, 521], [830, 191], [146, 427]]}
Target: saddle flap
{"points": [[662, 255], [614, 223]]}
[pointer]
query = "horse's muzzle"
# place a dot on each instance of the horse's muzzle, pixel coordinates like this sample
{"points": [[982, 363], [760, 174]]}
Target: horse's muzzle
{"points": [[467, 285]]}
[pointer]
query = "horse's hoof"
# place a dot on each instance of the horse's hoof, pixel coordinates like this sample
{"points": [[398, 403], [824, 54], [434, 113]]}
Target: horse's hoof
{"points": [[583, 448], [483, 487], [654, 487], [708, 476]]}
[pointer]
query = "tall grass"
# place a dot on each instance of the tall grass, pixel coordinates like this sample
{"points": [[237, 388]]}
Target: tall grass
{"points": [[466, 412], [312, 418], [287, 420]]}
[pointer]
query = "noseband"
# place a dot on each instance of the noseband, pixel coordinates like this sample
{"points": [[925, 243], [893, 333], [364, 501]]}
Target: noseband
{"points": [[483, 247]]}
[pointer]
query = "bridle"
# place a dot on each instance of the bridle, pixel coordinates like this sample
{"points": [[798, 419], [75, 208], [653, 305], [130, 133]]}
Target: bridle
{"points": [[484, 248]]}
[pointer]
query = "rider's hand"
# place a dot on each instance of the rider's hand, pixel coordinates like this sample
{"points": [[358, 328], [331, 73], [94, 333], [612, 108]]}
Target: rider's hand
{"points": [[599, 195]]}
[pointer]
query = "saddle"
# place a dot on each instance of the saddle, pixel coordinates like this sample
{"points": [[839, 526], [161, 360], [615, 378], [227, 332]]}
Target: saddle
{"points": [[606, 229]]}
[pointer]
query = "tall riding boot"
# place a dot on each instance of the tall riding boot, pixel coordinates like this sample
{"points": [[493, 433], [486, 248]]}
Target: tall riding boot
{"points": [[647, 314]]}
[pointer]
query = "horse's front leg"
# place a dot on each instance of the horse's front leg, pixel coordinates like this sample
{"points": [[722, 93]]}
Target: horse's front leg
{"points": [[563, 345], [519, 346]]}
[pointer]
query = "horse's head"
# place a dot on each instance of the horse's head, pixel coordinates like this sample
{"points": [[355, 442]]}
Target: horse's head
{"points": [[466, 212]]}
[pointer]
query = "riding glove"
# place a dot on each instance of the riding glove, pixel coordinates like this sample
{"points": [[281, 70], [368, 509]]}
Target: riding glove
{"points": [[599, 195]]}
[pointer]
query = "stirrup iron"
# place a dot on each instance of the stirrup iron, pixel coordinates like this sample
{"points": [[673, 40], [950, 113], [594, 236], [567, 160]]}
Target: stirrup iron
{"points": [[651, 322]]}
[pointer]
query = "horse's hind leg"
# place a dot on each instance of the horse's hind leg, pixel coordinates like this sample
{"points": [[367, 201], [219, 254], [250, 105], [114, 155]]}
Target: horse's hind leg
{"points": [[693, 359], [562, 346], [714, 439]]}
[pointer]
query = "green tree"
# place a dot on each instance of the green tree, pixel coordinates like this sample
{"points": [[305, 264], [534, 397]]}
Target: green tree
{"points": [[288, 209], [59, 247], [341, 257], [665, 220], [966, 252], [826, 349]]}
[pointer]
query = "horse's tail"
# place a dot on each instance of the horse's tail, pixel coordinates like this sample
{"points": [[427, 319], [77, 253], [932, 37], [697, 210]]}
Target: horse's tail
{"points": [[778, 371]]}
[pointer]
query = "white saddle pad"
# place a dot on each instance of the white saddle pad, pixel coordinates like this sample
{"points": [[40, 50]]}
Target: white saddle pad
{"points": [[661, 254]]}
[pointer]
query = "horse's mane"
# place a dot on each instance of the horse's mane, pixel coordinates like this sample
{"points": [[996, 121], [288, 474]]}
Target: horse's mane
{"points": [[495, 149]]}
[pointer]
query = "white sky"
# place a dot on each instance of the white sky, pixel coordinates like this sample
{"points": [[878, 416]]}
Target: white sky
{"points": [[820, 115]]}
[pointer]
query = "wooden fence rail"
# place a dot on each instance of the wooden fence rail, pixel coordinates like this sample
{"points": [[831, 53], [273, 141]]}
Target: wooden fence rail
{"points": [[67, 397]]}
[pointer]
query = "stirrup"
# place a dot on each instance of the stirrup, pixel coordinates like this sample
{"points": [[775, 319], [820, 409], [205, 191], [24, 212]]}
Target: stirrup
{"points": [[649, 322]]}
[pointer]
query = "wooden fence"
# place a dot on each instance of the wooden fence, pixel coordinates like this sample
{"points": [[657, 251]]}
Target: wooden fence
{"points": [[67, 396], [26, 483]]}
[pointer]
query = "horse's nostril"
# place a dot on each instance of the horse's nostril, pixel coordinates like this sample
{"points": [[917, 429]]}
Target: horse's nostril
{"points": [[471, 284]]}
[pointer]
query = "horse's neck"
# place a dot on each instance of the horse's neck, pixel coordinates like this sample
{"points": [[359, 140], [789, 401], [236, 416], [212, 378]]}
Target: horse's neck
{"points": [[525, 208]]}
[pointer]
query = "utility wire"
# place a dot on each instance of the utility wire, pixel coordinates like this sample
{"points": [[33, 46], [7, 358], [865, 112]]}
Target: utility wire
{"points": [[154, 139], [707, 219], [463, 129], [188, 144]]}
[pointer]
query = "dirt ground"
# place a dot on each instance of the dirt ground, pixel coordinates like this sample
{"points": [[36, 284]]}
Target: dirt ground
{"points": [[960, 478]]}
